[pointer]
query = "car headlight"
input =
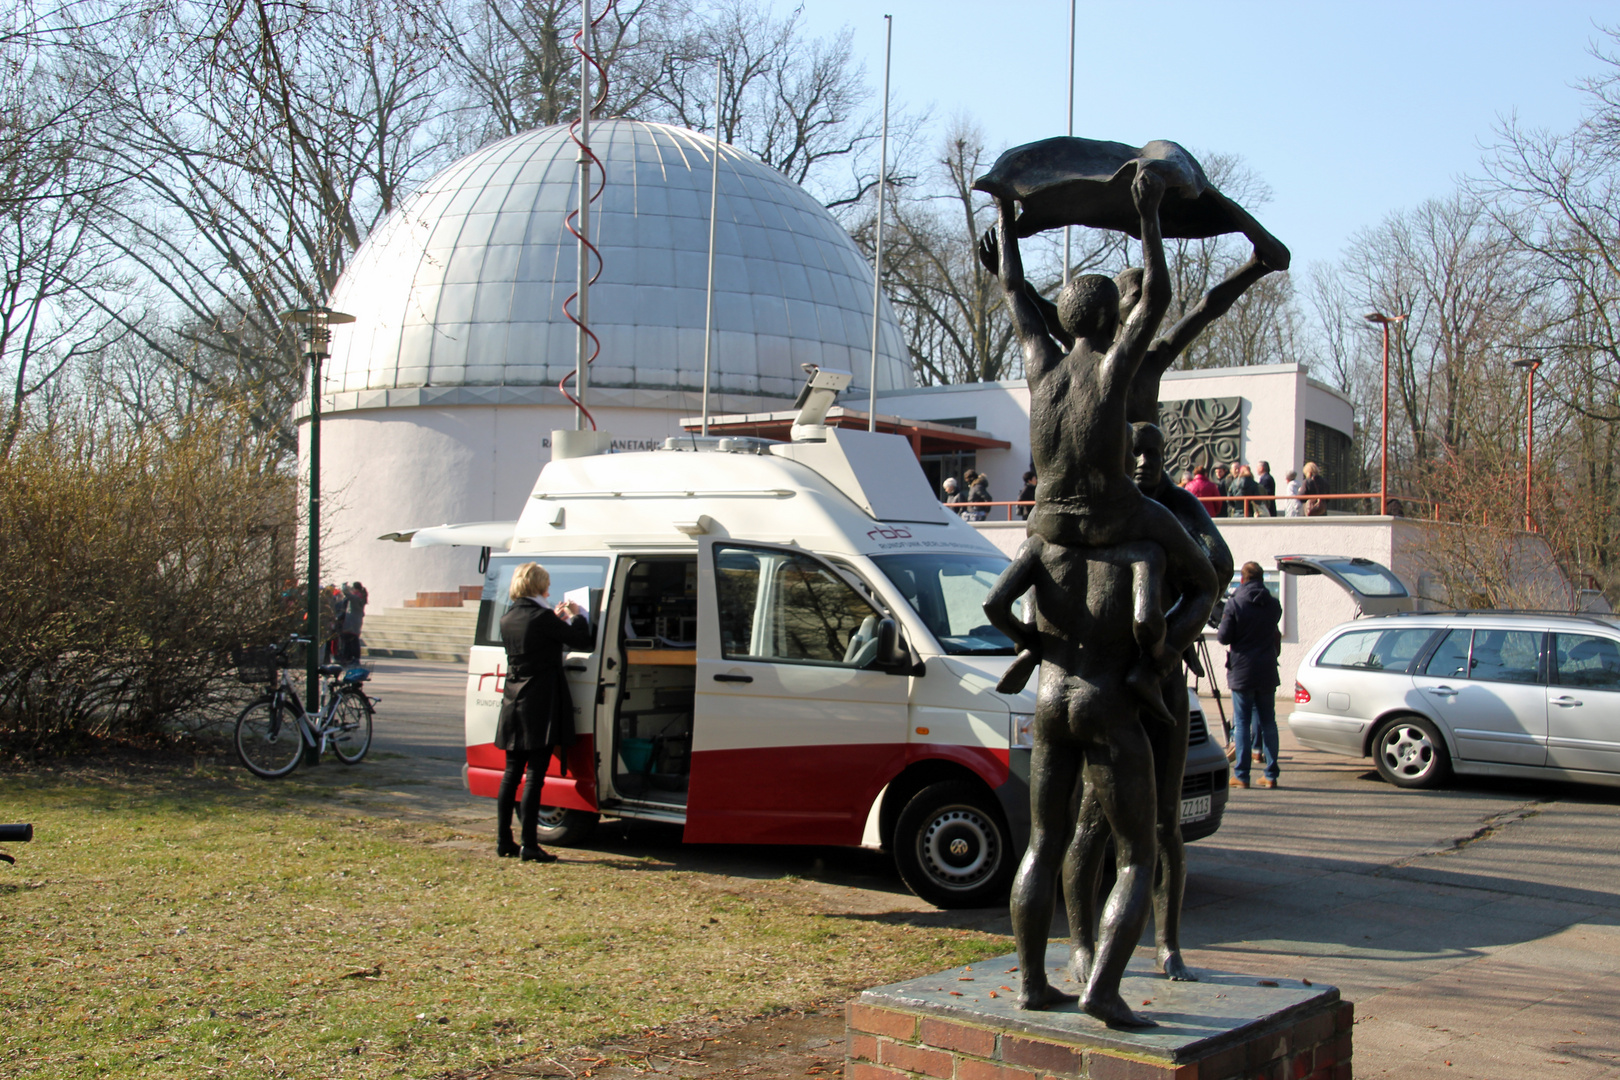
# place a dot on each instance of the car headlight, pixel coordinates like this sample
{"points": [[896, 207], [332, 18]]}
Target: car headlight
{"points": [[1023, 729]]}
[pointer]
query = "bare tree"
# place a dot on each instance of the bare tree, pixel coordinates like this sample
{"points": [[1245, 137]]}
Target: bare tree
{"points": [[51, 194], [257, 144], [793, 101], [1462, 282], [1262, 327], [1557, 197], [949, 302], [514, 66]]}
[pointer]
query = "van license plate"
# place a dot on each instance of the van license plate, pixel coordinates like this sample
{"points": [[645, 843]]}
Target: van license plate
{"points": [[1195, 809]]}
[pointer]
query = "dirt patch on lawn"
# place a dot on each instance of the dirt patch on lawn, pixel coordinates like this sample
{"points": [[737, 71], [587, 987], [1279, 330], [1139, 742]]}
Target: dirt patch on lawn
{"points": [[785, 1046]]}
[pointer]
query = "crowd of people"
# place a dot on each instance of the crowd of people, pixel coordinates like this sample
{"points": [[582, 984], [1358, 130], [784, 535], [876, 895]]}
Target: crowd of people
{"points": [[1236, 490], [972, 491], [346, 611], [1226, 490]]}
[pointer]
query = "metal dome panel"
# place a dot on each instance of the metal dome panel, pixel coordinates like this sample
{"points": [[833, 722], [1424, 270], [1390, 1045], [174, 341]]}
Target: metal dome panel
{"points": [[463, 284]]}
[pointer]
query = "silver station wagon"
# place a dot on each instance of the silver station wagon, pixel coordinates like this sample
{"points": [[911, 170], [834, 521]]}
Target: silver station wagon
{"points": [[1479, 693]]}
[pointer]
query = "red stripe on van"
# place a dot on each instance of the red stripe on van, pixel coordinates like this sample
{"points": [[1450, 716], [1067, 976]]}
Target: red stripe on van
{"points": [[809, 794], [576, 791]]}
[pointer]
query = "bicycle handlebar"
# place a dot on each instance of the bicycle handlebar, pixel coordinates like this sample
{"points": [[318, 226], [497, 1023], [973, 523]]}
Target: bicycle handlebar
{"points": [[16, 834]]}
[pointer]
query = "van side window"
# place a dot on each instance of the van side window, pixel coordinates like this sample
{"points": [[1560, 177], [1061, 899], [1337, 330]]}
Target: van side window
{"points": [[778, 605], [1588, 661], [567, 575], [736, 575]]}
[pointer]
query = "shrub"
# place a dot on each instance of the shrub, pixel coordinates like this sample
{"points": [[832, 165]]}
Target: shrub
{"points": [[130, 564]]}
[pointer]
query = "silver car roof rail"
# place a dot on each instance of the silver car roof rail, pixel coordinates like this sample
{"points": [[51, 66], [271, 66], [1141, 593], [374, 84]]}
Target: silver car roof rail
{"points": [[1607, 619]]}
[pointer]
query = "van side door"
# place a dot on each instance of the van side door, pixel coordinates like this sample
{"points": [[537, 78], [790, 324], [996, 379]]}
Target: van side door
{"points": [[796, 729]]}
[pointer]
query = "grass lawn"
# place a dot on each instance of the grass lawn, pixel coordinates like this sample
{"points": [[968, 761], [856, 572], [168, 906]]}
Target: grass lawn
{"points": [[190, 921]]}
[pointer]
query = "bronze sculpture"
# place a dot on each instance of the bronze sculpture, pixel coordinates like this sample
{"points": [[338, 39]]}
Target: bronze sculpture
{"points": [[1128, 582]]}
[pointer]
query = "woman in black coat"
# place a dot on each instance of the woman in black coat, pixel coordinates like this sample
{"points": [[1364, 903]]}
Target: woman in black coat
{"points": [[537, 714]]}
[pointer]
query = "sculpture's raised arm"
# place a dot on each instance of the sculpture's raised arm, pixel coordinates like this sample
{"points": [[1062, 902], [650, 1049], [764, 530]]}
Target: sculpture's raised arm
{"points": [[1119, 366], [1040, 354]]}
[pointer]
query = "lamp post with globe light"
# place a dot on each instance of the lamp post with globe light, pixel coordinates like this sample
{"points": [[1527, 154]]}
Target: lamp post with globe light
{"points": [[1383, 424], [315, 329], [1528, 366]]}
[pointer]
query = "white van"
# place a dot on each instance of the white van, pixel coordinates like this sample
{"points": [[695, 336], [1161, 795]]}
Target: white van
{"points": [[791, 648]]}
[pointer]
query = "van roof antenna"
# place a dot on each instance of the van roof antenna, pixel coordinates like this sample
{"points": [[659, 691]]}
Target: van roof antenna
{"points": [[815, 398]]}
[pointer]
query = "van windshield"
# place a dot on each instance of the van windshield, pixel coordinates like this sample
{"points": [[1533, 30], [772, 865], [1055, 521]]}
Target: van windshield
{"points": [[947, 592]]}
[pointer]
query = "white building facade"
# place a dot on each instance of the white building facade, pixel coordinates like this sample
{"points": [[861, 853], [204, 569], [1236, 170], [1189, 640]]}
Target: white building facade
{"points": [[1274, 413]]}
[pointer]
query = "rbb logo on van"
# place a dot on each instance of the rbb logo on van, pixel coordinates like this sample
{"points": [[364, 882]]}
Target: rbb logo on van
{"points": [[889, 532]]}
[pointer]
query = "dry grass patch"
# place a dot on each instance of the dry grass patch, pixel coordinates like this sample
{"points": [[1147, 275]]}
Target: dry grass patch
{"points": [[189, 922]]}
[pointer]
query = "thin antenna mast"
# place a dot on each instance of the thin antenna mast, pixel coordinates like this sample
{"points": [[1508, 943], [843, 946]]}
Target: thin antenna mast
{"points": [[582, 361], [877, 262], [714, 203], [1066, 228]]}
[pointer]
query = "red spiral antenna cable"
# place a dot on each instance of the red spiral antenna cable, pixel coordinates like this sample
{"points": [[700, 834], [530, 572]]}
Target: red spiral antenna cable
{"points": [[572, 221]]}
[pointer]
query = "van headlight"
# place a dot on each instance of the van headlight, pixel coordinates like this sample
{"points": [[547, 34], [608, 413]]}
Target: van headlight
{"points": [[1023, 729]]}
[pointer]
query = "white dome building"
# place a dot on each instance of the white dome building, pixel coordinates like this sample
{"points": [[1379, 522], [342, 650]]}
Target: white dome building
{"points": [[440, 399]]}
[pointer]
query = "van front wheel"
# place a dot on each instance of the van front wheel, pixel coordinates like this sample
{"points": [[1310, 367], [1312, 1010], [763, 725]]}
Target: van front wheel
{"points": [[952, 848], [565, 828]]}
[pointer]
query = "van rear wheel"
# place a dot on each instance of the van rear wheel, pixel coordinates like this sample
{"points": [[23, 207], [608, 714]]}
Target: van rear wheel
{"points": [[565, 828], [952, 847]]}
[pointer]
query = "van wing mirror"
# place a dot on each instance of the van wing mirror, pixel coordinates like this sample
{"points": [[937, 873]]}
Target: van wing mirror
{"points": [[893, 653]]}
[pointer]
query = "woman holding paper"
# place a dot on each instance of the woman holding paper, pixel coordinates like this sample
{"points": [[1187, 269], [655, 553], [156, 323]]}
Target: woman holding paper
{"points": [[537, 714]]}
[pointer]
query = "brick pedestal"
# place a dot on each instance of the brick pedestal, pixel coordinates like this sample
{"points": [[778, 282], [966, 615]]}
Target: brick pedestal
{"points": [[963, 1025]]}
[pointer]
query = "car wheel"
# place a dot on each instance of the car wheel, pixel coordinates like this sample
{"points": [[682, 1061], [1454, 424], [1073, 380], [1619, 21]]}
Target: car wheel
{"points": [[952, 848], [565, 828], [1410, 753]]}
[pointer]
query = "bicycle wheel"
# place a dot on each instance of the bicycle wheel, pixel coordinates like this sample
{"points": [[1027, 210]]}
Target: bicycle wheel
{"points": [[350, 733], [268, 739]]}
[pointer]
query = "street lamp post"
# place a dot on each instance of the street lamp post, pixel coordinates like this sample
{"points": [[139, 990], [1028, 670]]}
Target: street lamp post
{"points": [[315, 329], [1383, 422], [1529, 366]]}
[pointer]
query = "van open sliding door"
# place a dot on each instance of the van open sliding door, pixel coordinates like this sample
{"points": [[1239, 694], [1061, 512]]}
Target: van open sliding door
{"points": [[795, 731]]}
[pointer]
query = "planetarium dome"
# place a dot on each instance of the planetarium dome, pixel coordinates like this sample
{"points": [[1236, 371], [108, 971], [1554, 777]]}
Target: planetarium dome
{"points": [[439, 400], [463, 285]]}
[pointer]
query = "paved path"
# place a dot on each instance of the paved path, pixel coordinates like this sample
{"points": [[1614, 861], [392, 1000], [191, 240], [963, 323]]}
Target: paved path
{"points": [[1476, 928]]}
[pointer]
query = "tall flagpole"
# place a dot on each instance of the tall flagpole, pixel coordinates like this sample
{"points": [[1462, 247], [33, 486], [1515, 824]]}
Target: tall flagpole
{"points": [[714, 202], [877, 262], [1071, 132]]}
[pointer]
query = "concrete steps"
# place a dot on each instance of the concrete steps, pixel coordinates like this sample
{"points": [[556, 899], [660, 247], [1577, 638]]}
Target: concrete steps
{"points": [[421, 633]]}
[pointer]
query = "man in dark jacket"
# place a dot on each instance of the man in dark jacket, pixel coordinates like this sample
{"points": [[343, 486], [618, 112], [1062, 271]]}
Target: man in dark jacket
{"points": [[1268, 487], [1250, 632]]}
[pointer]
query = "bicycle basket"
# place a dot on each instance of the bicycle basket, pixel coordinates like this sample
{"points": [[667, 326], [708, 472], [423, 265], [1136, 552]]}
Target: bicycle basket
{"points": [[255, 666], [353, 676]]}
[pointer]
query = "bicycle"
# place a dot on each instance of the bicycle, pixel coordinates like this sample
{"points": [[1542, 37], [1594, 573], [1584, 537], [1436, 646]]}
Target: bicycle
{"points": [[274, 731]]}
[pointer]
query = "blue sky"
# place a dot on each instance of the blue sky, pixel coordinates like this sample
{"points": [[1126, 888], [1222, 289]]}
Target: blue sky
{"points": [[1347, 110]]}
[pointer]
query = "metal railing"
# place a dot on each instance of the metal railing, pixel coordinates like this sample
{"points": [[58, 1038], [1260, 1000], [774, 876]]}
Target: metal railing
{"points": [[1008, 511]]}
